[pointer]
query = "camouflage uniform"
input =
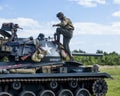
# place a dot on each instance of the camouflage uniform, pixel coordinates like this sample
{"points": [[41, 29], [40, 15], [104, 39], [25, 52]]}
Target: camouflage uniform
{"points": [[66, 29]]}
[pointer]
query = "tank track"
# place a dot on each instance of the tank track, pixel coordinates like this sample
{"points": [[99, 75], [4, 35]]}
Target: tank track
{"points": [[46, 79], [42, 86]]}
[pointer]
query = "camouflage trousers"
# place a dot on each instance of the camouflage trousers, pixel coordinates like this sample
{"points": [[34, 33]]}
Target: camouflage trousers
{"points": [[67, 35]]}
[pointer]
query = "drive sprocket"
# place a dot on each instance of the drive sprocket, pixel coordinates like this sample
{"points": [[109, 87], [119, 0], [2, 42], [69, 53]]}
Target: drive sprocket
{"points": [[100, 87]]}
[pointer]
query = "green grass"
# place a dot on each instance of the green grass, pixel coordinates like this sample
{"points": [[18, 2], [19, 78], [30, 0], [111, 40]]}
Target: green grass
{"points": [[113, 84]]}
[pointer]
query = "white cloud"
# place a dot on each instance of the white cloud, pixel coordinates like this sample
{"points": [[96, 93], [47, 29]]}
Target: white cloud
{"points": [[89, 3], [97, 29], [116, 24], [116, 14], [116, 1]]}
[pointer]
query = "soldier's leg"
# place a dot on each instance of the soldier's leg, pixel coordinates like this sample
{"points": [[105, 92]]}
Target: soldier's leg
{"points": [[67, 35], [66, 42], [58, 32], [64, 32]]}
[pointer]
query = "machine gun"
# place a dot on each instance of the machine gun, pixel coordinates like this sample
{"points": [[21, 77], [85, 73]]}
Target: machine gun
{"points": [[9, 27]]}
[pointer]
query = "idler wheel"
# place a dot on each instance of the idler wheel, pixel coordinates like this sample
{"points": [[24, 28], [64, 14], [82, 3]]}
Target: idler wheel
{"points": [[65, 92], [5, 94], [73, 84], [46, 93], [16, 85], [82, 92], [100, 87], [53, 84], [27, 93]]}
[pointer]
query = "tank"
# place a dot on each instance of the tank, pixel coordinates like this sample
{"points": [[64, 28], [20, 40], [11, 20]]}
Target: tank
{"points": [[38, 67]]}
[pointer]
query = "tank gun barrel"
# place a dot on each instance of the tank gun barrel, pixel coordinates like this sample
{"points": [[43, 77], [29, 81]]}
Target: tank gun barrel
{"points": [[87, 54]]}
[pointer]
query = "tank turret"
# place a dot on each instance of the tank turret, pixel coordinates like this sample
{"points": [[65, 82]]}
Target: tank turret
{"points": [[37, 67]]}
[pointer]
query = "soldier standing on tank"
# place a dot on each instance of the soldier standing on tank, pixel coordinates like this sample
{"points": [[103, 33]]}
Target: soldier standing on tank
{"points": [[65, 27]]}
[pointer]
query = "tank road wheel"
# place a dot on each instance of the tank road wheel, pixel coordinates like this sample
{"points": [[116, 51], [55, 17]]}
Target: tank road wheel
{"points": [[53, 84], [100, 87], [5, 94], [27, 93], [73, 84], [46, 93], [16, 85], [65, 92], [82, 92]]}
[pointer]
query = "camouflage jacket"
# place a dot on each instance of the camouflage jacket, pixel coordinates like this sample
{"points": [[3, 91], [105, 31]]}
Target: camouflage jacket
{"points": [[66, 24]]}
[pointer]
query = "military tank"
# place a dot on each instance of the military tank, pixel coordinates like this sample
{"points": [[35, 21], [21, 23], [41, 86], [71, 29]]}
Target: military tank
{"points": [[37, 67]]}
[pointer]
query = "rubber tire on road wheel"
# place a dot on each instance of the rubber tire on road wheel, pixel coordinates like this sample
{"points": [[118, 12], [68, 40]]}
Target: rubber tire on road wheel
{"points": [[46, 93], [65, 92], [82, 92], [27, 93], [5, 94]]}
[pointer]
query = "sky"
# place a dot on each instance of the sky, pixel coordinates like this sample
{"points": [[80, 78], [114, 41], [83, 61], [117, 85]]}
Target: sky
{"points": [[97, 22]]}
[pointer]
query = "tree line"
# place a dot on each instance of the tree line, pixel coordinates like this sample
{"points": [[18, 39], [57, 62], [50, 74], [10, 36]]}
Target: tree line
{"points": [[112, 58]]}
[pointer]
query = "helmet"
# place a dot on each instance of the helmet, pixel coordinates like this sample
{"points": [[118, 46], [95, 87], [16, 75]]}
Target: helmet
{"points": [[60, 14]]}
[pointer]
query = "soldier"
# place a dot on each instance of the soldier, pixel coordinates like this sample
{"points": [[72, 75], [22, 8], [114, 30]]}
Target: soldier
{"points": [[65, 27]]}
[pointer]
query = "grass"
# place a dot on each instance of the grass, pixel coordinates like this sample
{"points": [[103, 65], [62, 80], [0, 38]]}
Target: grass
{"points": [[113, 84]]}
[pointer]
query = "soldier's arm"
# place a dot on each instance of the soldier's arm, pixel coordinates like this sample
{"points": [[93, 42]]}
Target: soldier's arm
{"points": [[62, 24]]}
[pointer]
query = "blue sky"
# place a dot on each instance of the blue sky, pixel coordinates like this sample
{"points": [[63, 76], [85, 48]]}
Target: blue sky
{"points": [[97, 22]]}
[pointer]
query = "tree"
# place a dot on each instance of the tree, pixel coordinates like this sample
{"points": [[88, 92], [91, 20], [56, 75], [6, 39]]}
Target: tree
{"points": [[112, 58]]}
